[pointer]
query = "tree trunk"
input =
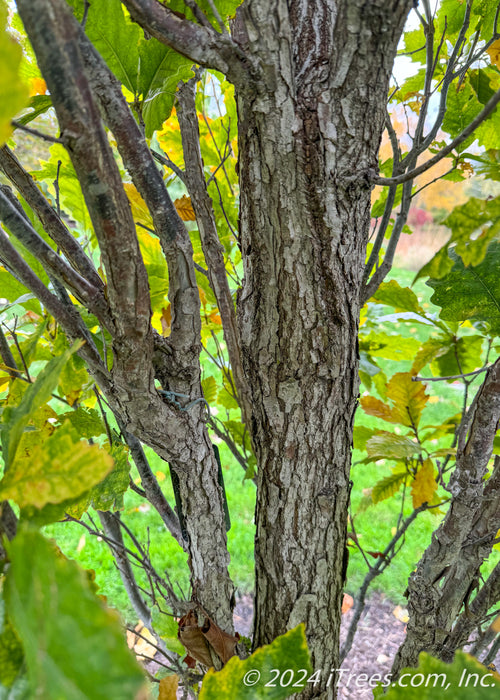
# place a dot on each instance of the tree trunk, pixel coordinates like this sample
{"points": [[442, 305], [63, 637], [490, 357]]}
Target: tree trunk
{"points": [[309, 132], [448, 572]]}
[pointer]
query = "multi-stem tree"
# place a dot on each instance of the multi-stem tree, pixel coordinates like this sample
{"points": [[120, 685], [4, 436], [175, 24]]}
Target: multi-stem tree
{"points": [[311, 81]]}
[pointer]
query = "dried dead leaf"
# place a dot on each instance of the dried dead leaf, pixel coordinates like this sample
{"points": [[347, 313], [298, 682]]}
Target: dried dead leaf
{"points": [[223, 643], [193, 638]]}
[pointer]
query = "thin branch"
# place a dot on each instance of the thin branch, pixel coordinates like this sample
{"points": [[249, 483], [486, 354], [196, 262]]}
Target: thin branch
{"points": [[55, 45], [112, 530], [412, 174], [8, 357], [152, 489], [373, 571], [69, 319], [203, 45], [169, 228], [165, 160], [54, 265], [454, 376], [34, 132], [212, 247]]}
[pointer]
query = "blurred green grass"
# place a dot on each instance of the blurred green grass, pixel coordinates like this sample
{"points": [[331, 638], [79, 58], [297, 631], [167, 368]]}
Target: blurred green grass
{"points": [[373, 526]]}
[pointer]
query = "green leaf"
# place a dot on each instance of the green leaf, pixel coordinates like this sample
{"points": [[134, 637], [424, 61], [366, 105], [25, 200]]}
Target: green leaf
{"points": [[361, 435], [209, 386], [465, 355], [160, 71], [115, 37], [11, 651], [400, 298], [75, 647], [108, 494], [390, 347], [464, 679], [36, 395], [438, 266], [287, 653], [388, 486], [39, 104], [167, 627], [14, 93], [17, 293], [473, 226], [61, 468], [387, 445], [431, 349], [471, 293], [87, 421]]}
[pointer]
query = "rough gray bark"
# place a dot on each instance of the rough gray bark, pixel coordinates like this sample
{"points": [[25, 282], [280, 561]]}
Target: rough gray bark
{"points": [[448, 572], [305, 146], [139, 355]]}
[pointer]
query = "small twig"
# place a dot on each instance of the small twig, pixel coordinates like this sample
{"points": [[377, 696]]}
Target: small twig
{"points": [[454, 376], [56, 187], [85, 13], [103, 414], [34, 132], [164, 160]]}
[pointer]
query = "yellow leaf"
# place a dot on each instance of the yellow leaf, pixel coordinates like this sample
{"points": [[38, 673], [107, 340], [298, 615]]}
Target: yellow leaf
{"points": [[424, 485], [60, 468], [168, 688], [185, 208], [140, 212], [14, 93], [494, 53], [400, 614], [409, 398]]}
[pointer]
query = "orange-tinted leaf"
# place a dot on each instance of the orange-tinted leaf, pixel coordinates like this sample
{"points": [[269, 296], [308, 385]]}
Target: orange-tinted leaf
{"points": [[168, 688], [347, 603], [38, 86], [185, 208], [424, 485], [375, 407], [409, 398], [166, 319]]}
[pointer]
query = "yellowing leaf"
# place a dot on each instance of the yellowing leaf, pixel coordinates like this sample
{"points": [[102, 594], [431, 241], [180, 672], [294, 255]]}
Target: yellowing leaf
{"points": [[185, 208], [168, 688], [409, 398], [14, 93], [388, 486], [375, 407], [494, 53], [140, 212], [61, 468], [388, 445], [424, 485]]}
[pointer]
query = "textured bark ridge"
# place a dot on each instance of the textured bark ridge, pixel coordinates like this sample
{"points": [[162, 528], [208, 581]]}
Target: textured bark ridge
{"points": [[448, 572], [309, 133]]}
